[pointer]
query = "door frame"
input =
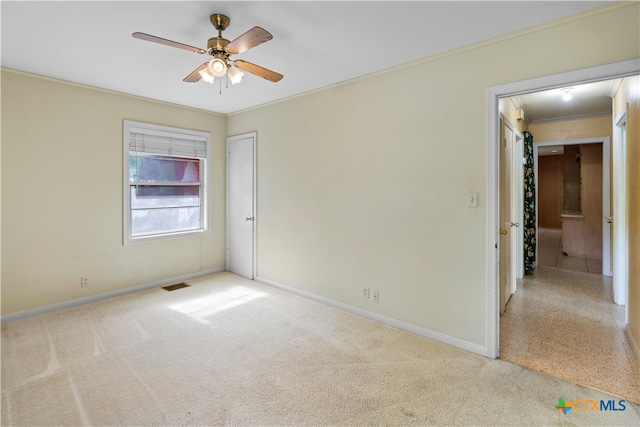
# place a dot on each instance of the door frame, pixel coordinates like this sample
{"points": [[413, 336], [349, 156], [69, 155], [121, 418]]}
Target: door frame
{"points": [[614, 70], [230, 139], [606, 191]]}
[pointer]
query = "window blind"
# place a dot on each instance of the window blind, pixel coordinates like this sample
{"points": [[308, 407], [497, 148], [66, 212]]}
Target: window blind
{"points": [[168, 143]]}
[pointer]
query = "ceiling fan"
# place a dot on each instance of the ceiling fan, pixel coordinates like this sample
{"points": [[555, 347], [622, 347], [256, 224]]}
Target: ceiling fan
{"points": [[221, 49]]}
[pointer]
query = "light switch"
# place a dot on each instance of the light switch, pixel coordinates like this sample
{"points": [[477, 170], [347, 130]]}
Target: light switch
{"points": [[472, 200]]}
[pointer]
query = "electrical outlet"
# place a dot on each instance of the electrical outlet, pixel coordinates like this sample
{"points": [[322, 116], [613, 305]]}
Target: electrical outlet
{"points": [[365, 293], [84, 282], [376, 295]]}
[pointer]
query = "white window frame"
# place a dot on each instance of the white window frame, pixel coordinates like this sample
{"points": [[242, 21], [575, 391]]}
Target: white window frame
{"points": [[130, 127]]}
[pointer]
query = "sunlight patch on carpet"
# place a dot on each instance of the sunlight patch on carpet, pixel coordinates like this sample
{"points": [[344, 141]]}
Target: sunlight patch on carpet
{"points": [[202, 307]]}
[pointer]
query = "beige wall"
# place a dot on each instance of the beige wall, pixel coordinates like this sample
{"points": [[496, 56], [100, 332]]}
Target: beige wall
{"points": [[361, 184], [571, 129], [62, 194], [629, 94], [510, 113], [364, 184]]}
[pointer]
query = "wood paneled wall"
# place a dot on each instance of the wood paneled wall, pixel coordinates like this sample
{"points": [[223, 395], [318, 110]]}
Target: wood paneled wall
{"points": [[550, 191], [582, 237]]}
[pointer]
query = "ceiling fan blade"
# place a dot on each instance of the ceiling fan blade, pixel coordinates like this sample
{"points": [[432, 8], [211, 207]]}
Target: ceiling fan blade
{"points": [[150, 38], [259, 71], [246, 41], [195, 74]]}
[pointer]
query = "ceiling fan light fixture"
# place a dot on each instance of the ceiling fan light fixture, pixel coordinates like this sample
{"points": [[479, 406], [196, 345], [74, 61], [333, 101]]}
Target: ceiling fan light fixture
{"points": [[217, 67], [235, 75], [206, 75]]}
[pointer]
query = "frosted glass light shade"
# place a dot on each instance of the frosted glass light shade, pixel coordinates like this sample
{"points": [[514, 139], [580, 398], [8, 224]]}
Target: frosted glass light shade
{"points": [[235, 75], [217, 67]]}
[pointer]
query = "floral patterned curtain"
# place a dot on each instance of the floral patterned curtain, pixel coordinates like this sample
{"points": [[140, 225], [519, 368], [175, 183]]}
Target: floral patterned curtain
{"points": [[529, 226]]}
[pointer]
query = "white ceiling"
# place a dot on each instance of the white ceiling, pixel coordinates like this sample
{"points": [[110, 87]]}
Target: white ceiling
{"points": [[587, 100], [315, 44]]}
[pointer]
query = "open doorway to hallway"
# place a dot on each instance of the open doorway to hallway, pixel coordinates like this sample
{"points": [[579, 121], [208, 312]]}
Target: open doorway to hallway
{"points": [[562, 319]]}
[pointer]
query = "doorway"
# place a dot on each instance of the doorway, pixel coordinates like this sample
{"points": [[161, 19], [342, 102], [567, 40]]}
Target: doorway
{"points": [[546, 278], [493, 95], [582, 202]]}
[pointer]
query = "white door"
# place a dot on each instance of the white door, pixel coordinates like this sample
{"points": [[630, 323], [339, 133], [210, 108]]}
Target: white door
{"points": [[507, 254], [241, 204], [510, 225], [518, 203]]}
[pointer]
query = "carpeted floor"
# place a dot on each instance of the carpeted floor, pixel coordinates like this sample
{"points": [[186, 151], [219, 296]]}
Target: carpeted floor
{"points": [[229, 351]]}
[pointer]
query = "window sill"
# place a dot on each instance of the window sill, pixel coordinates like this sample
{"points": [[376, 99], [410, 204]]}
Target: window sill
{"points": [[164, 236]]}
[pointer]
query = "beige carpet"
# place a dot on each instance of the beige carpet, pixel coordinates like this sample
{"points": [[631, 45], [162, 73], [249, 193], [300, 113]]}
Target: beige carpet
{"points": [[228, 351]]}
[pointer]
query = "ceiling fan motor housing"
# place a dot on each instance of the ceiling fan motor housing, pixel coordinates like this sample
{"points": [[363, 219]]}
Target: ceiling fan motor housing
{"points": [[216, 45]]}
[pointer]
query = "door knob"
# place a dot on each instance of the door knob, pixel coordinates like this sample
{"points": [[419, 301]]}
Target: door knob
{"points": [[515, 224], [503, 231], [249, 218]]}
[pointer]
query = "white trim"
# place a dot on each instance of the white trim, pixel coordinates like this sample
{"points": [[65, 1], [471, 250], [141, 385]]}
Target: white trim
{"points": [[99, 297], [606, 190], [613, 87], [587, 75], [230, 139], [492, 161], [427, 333], [620, 227], [568, 118]]}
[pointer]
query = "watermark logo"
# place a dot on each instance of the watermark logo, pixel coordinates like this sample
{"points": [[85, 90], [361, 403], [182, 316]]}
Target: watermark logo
{"points": [[583, 405], [562, 406]]}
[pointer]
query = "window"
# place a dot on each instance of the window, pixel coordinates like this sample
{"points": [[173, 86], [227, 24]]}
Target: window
{"points": [[165, 191]]}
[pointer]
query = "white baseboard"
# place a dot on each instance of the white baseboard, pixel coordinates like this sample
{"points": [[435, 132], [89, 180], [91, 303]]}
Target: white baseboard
{"points": [[98, 297], [427, 333], [632, 343]]}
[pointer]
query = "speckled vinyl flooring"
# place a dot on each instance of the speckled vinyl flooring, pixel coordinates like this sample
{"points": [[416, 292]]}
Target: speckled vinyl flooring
{"points": [[564, 323]]}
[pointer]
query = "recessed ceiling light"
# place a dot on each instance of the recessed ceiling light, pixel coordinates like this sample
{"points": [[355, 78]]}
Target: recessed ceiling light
{"points": [[566, 93]]}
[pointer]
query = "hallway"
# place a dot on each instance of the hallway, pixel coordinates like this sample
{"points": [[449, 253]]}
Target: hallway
{"points": [[565, 324]]}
